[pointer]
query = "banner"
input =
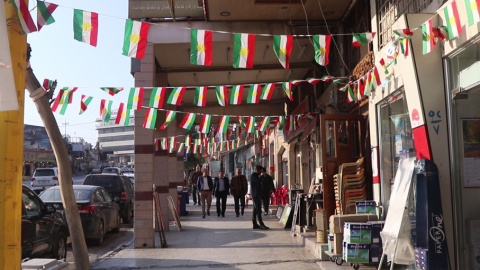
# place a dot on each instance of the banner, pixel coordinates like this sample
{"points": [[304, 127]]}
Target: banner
{"points": [[8, 94]]}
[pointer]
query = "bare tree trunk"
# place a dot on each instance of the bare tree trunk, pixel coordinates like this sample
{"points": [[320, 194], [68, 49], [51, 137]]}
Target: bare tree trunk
{"points": [[37, 93]]}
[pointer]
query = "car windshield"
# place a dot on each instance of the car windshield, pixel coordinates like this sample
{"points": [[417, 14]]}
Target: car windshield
{"points": [[44, 172], [110, 170], [109, 182], [53, 195]]}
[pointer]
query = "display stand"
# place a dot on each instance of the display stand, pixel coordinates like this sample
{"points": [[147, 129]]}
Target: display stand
{"points": [[173, 208], [295, 214], [159, 219]]}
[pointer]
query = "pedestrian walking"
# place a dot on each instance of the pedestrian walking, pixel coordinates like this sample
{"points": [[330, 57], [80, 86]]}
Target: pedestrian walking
{"points": [[256, 186], [205, 186], [238, 189], [267, 188], [193, 181], [221, 187]]}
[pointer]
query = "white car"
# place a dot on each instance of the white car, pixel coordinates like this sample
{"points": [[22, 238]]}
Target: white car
{"points": [[44, 177]]}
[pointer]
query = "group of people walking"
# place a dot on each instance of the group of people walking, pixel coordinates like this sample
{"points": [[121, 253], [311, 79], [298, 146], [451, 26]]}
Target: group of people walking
{"points": [[261, 187]]}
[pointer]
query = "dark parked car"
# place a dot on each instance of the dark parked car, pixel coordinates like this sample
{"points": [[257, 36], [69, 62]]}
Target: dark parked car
{"points": [[99, 214], [44, 230], [120, 189]]}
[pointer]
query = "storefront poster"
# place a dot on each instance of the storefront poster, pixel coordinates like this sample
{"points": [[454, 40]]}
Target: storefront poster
{"points": [[471, 152]]}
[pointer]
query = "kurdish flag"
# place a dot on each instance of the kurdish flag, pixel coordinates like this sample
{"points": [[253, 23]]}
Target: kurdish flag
{"points": [[267, 91], [61, 101], [201, 47], [314, 81], [361, 88], [223, 125], [385, 67], [473, 11], [205, 124], [453, 20], [170, 116], [188, 121], [176, 96], [57, 101], [85, 26], [47, 84], [150, 118], [287, 87], [360, 39], [222, 95], [84, 103], [163, 143], [123, 115], [135, 40], [292, 123], [44, 13], [106, 110], [172, 144], [250, 128], [240, 121], [236, 95], [112, 90], [135, 98], [322, 48], [428, 37], [374, 79], [64, 101], [350, 95], [295, 82], [200, 98], [254, 94], [282, 46], [180, 147], [280, 122], [243, 50], [71, 90], [156, 98], [24, 18], [188, 140], [264, 124]]}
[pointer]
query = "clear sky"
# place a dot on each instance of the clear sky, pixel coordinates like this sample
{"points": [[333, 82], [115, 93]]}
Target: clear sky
{"points": [[57, 55]]}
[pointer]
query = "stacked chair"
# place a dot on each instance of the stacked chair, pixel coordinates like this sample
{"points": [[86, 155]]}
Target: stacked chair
{"points": [[350, 186]]}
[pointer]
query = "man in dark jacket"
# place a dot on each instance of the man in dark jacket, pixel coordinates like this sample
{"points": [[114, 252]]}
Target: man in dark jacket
{"points": [[256, 186], [205, 186], [220, 190], [193, 181], [238, 189], [267, 187]]}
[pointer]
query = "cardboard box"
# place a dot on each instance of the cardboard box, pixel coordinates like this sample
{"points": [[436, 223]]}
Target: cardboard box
{"points": [[338, 243], [337, 222], [357, 233], [375, 253], [356, 253], [377, 227], [366, 207]]}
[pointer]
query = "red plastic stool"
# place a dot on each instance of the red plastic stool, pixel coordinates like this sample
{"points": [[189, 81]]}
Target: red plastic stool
{"points": [[248, 197]]}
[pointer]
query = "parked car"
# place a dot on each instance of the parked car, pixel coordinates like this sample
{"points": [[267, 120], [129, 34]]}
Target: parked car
{"points": [[98, 212], [44, 230], [112, 170], [44, 178], [119, 188]]}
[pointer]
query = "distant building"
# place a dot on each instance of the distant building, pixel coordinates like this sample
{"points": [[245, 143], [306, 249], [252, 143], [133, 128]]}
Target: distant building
{"points": [[37, 150], [116, 141]]}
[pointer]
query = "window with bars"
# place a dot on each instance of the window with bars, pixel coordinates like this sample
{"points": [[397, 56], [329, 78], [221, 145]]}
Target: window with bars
{"points": [[390, 10]]}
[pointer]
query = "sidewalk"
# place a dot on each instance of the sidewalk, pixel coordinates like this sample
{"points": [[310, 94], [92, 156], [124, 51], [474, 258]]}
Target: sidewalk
{"points": [[216, 242]]}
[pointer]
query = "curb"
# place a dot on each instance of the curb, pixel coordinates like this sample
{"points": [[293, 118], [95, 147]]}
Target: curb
{"points": [[112, 253]]}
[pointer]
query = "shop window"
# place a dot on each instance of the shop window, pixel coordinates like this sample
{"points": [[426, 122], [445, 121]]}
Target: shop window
{"points": [[330, 133]]}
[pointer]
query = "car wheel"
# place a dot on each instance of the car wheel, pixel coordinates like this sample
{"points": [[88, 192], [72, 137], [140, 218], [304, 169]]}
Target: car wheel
{"points": [[117, 226], [100, 233], [59, 248]]}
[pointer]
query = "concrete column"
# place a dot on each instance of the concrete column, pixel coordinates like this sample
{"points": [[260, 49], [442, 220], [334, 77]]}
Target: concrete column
{"points": [[292, 160], [303, 166]]}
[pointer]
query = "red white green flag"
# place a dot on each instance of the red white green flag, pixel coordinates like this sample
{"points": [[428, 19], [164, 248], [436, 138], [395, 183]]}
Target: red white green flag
{"points": [[71, 90], [223, 124], [287, 87], [350, 95], [60, 101], [428, 37], [195, 149], [382, 62], [172, 144], [188, 149], [227, 144], [473, 11], [368, 77], [322, 48], [243, 50], [264, 124], [150, 118], [374, 79], [295, 82], [404, 35], [135, 39], [26, 22], [222, 146], [440, 32], [453, 20], [176, 96], [106, 110], [181, 146], [84, 103], [156, 98], [222, 95], [241, 122], [361, 88], [200, 98], [282, 46], [205, 124], [47, 84], [85, 26], [280, 123], [188, 121], [135, 98], [254, 94], [360, 39], [163, 143], [123, 115], [292, 122], [250, 126], [238, 143], [188, 140], [170, 117], [267, 91], [44, 13], [201, 47], [236, 95], [112, 90]]}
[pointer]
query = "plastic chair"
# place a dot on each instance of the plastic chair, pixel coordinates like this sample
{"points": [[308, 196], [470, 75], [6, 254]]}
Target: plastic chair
{"points": [[248, 197], [284, 195]]}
